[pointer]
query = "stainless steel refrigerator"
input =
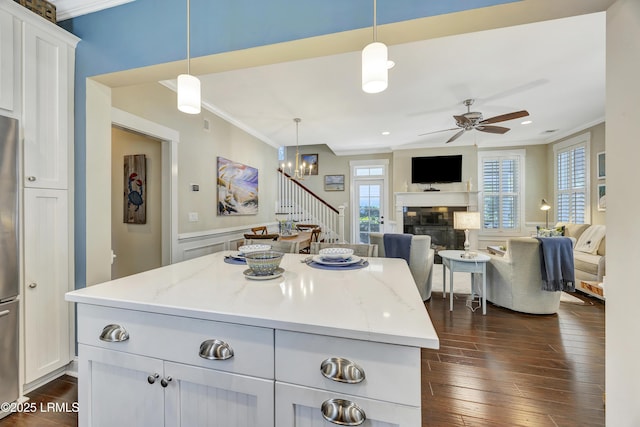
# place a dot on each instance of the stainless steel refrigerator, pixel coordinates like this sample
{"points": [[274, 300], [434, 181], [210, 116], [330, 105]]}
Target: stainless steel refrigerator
{"points": [[9, 259]]}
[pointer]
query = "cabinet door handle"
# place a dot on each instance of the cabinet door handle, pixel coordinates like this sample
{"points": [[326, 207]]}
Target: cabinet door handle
{"points": [[33, 285], [152, 378], [342, 412], [342, 370], [31, 178], [114, 333], [215, 350], [165, 381], [4, 313]]}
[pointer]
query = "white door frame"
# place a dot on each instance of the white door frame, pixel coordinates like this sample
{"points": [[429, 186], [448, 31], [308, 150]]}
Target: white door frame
{"points": [[355, 205], [170, 139]]}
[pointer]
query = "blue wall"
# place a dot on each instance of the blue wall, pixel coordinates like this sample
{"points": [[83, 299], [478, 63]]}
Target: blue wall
{"points": [[149, 32]]}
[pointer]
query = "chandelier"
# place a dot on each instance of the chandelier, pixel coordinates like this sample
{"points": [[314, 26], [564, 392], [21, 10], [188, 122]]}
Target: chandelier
{"points": [[301, 169]]}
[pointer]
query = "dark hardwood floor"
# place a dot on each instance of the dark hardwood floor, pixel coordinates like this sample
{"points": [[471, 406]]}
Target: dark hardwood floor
{"points": [[502, 369], [513, 369]]}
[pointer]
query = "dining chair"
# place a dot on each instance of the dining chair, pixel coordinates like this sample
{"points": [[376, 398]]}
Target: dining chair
{"points": [[261, 236], [359, 249], [259, 230], [420, 260], [284, 246]]}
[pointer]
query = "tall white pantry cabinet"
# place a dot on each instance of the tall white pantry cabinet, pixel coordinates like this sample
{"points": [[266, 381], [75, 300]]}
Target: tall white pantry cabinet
{"points": [[37, 60]]}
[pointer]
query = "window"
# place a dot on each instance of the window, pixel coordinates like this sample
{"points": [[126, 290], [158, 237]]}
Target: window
{"points": [[501, 183], [571, 178]]}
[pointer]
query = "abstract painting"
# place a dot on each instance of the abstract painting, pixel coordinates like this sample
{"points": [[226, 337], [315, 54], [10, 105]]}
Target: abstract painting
{"points": [[237, 188], [135, 192]]}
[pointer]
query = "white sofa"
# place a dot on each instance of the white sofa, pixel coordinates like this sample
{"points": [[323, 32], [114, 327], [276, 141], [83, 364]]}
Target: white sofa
{"points": [[514, 280], [589, 260]]}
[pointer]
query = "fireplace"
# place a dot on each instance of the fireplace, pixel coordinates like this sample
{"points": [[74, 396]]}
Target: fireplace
{"points": [[431, 213]]}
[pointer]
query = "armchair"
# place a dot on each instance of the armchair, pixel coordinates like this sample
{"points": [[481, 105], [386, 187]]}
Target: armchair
{"points": [[420, 260], [514, 280]]}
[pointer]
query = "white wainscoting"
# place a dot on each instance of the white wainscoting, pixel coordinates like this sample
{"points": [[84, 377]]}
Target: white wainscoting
{"points": [[193, 245]]}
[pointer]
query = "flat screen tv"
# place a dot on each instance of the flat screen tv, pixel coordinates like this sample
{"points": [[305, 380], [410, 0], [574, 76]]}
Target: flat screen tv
{"points": [[436, 169]]}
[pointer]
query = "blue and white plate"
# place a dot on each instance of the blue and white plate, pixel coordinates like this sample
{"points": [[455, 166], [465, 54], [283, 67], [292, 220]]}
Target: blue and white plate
{"points": [[353, 259]]}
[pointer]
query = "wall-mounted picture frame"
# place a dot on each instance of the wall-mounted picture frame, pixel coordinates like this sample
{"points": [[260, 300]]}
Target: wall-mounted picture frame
{"points": [[602, 197], [310, 159], [135, 189], [237, 188], [601, 165], [334, 183]]}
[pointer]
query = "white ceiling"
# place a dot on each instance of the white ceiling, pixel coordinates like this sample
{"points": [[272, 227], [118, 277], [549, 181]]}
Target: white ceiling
{"points": [[553, 69]]}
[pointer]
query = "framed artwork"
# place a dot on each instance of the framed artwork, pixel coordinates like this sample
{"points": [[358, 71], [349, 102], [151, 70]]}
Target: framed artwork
{"points": [[601, 165], [237, 188], [602, 197], [334, 183], [310, 159], [135, 189]]}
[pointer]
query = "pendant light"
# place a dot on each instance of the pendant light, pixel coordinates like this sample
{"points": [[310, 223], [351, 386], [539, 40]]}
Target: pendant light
{"points": [[188, 85], [375, 66]]}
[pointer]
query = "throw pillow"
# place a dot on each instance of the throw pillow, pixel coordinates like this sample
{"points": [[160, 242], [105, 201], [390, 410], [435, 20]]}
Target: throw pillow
{"points": [[550, 232], [590, 239]]}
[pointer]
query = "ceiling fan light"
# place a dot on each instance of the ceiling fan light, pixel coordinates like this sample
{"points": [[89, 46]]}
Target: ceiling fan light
{"points": [[189, 94], [375, 74]]}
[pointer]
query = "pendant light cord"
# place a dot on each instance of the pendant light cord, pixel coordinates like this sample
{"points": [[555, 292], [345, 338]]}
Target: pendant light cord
{"points": [[189, 36], [375, 19]]}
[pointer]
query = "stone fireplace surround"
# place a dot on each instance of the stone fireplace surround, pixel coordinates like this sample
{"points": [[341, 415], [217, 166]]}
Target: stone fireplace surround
{"points": [[434, 215]]}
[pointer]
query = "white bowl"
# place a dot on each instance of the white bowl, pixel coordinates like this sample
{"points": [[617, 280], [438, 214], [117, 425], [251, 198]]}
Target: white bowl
{"points": [[247, 249], [335, 253]]}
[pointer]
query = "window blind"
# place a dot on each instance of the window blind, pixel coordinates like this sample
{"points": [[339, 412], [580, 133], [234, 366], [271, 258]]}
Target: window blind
{"points": [[501, 182], [571, 184]]}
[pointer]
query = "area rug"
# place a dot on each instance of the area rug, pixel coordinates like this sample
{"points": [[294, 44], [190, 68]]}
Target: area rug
{"points": [[462, 285]]}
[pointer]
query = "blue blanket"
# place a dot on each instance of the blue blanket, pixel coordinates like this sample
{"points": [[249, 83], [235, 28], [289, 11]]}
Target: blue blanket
{"points": [[556, 264], [397, 246]]}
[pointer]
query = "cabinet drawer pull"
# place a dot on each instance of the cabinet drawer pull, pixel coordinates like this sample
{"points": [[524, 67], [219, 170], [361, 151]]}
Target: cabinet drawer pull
{"points": [[215, 350], [4, 313], [31, 178], [114, 333], [342, 370], [33, 285], [342, 412]]}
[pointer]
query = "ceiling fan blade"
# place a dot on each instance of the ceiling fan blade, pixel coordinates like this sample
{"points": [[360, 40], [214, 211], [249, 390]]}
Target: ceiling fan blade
{"points": [[438, 131], [505, 117], [456, 136], [493, 129], [462, 120]]}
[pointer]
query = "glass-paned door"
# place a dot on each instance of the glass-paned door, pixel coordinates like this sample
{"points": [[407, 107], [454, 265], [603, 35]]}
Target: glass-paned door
{"points": [[370, 196]]}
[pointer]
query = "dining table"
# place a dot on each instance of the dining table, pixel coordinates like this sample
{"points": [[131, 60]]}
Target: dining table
{"points": [[302, 237]]}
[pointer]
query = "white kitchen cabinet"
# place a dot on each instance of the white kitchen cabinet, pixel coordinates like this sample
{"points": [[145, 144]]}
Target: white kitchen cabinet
{"points": [[47, 315], [9, 63], [37, 64], [298, 406], [159, 355], [47, 67]]}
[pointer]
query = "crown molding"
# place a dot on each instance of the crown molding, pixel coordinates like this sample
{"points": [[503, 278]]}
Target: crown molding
{"points": [[66, 9]]}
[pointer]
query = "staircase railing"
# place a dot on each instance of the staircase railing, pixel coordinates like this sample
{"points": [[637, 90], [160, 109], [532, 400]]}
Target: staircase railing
{"points": [[300, 204]]}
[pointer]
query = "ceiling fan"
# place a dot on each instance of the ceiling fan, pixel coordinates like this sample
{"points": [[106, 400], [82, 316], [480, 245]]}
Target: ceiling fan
{"points": [[473, 120]]}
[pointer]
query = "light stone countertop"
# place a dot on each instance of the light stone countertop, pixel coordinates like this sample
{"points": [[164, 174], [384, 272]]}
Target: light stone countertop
{"points": [[377, 303]]}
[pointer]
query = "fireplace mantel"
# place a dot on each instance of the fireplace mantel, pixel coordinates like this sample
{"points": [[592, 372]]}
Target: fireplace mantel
{"points": [[437, 198]]}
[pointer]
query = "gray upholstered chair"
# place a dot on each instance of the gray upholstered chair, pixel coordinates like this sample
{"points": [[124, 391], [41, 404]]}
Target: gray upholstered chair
{"points": [[359, 249], [420, 260], [514, 280], [284, 246]]}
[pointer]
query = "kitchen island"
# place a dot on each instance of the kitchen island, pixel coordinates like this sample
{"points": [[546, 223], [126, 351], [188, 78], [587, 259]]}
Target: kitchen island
{"points": [[196, 343]]}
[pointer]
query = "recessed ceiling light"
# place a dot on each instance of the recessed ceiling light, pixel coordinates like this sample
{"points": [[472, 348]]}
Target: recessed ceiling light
{"points": [[386, 132], [527, 122]]}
